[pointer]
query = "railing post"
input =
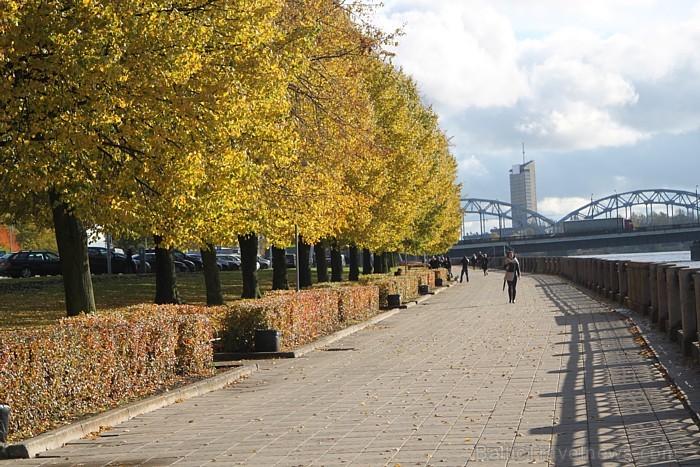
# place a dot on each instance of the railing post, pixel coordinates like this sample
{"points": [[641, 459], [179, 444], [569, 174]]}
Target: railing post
{"points": [[614, 280], [662, 292], [688, 333], [653, 294], [637, 284], [631, 299], [644, 293], [622, 280], [675, 321]]}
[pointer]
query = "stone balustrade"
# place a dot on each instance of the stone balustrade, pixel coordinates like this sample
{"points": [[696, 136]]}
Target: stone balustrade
{"points": [[668, 294]]}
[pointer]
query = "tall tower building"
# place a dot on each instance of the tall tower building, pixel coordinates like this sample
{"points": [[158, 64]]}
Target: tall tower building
{"points": [[523, 191]]}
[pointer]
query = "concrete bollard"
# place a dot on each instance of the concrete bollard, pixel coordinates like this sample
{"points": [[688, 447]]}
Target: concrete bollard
{"points": [[607, 279], [599, 279], [653, 294], [637, 287], [4, 423], [614, 280], [622, 280], [675, 321], [688, 332], [662, 293]]}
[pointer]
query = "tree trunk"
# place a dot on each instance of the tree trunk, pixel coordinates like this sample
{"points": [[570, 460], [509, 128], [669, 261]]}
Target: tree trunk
{"points": [[71, 239], [303, 263], [379, 263], [279, 269], [366, 261], [336, 263], [212, 281], [321, 266], [166, 279], [249, 265], [354, 274]]}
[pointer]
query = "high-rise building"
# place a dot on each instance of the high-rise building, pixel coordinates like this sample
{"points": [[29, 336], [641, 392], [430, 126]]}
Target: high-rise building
{"points": [[523, 192]]}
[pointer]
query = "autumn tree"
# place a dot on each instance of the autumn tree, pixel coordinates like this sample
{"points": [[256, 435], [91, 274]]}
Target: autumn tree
{"points": [[126, 112]]}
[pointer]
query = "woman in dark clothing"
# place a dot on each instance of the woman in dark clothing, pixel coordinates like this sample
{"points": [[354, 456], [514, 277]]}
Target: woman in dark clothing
{"points": [[512, 267], [485, 264]]}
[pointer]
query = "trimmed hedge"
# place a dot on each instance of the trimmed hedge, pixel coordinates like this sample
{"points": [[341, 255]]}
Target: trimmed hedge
{"points": [[440, 273], [302, 316], [91, 363]]}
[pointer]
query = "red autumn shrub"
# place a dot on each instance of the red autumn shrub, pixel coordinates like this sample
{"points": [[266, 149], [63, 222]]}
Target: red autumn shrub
{"points": [[92, 363]]}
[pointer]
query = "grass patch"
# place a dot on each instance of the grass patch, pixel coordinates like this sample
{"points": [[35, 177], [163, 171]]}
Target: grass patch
{"points": [[40, 301]]}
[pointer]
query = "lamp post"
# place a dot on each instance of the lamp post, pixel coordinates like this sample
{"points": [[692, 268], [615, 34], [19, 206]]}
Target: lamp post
{"points": [[296, 253]]}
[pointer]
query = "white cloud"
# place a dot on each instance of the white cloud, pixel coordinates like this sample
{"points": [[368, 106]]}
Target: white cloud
{"points": [[556, 208], [571, 71], [471, 165], [463, 54], [584, 84]]}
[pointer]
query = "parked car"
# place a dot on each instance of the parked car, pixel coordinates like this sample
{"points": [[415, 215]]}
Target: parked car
{"points": [[182, 263], [291, 260], [3, 263], [180, 266], [187, 257], [119, 261], [196, 259], [233, 262], [33, 263], [264, 263]]}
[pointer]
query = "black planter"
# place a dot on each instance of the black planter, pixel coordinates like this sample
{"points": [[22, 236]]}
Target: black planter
{"points": [[393, 300], [424, 289], [267, 340]]}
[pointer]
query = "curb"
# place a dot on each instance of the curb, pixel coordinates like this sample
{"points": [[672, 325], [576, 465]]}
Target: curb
{"points": [[673, 373], [324, 341], [56, 438]]}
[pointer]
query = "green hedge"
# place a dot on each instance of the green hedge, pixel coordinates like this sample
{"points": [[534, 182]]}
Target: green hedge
{"points": [[91, 363]]}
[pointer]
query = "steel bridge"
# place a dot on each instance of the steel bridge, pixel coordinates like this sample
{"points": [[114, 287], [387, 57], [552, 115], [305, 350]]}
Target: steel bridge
{"points": [[616, 205]]}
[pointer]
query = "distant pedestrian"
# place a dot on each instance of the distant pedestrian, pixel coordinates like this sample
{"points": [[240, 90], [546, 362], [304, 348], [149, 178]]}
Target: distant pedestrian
{"points": [[447, 264], [485, 264], [474, 261], [465, 268], [434, 263], [512, 267]]}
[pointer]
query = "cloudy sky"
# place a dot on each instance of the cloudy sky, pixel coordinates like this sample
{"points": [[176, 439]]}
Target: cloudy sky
{"points": [[604, 94]]}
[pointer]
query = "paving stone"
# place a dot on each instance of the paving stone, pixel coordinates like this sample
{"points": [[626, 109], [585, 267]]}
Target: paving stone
{"points": [[463, 378]]}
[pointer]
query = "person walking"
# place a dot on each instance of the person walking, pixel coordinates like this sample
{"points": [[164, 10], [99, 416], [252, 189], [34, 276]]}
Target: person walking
{"points": [[485, 264], [512, 267], [447, 264], [465, 268]]}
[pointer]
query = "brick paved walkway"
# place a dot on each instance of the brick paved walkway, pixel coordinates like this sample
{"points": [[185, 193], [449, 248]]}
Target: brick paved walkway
{"points": [[462, 378]]}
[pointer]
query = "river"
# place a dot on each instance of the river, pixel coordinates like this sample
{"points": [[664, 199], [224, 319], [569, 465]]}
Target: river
{"points": [[681, 258]]}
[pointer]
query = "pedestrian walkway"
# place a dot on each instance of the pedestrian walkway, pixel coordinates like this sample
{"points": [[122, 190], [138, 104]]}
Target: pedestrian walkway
{"points": [[464, 378]]}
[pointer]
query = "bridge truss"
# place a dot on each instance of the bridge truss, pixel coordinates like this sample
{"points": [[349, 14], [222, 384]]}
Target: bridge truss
{"points": [[504, 211], [616, 205]]}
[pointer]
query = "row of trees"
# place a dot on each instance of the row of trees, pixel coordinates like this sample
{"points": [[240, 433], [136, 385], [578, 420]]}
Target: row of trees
{"points": [[206, 122]]}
